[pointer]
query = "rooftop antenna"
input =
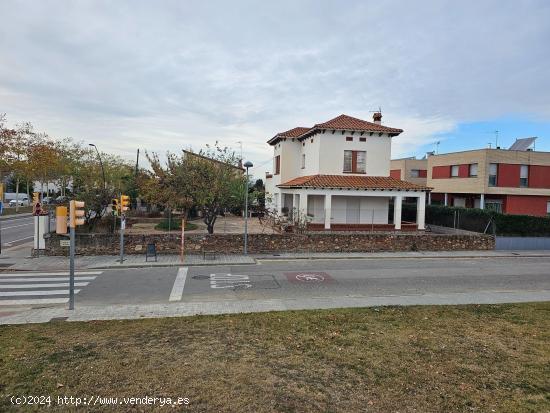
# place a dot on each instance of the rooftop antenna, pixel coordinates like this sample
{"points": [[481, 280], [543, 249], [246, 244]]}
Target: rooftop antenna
{"points": [[490, 145], [437, 147], [496, 139]]}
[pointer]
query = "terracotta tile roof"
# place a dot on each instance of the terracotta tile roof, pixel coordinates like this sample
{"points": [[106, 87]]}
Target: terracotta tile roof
{"points": [[291, 133], [294, 133], [351, 182], [351, 123], [342, 122]]}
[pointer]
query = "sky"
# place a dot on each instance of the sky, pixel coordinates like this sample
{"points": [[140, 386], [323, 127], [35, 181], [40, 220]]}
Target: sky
{"points": [[166, 75]]}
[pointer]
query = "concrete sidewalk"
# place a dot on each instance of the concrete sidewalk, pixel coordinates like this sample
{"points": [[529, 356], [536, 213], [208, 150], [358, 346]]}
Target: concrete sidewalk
{"points": [[127, 312], [16, 261]]}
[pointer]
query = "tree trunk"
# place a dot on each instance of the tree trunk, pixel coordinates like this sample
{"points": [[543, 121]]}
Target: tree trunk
{"points": [[210, 219], [28, 190]]}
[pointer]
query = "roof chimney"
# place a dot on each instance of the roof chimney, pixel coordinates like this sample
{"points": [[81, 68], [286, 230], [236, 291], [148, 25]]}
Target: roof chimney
{"points": [[377, 118]]}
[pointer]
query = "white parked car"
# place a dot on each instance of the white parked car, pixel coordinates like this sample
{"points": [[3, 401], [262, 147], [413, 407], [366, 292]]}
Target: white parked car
{"points": [[23, 201]]}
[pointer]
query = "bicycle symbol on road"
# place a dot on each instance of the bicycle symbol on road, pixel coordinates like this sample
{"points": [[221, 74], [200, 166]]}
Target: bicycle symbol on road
{"points": [[310, 277]]}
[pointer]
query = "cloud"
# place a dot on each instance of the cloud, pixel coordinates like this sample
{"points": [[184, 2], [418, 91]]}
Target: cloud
{"points": [[170, 74]]}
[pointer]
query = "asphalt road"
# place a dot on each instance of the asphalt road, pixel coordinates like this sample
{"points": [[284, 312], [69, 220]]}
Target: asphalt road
{"points": [[16, 230], [316, 279]]}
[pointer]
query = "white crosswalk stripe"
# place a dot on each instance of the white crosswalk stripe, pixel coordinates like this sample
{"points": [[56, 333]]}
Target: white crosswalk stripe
{"points": [[35, 288]]}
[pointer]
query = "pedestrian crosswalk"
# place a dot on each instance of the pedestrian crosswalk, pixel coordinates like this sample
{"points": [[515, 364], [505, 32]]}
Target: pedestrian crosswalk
{"points": [[33, 288]]}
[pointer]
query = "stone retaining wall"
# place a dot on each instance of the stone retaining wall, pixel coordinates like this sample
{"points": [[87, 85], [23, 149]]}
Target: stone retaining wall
{"points": [[108, 244]]}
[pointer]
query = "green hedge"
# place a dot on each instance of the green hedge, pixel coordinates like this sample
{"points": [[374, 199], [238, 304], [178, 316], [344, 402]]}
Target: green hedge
{"points": [[474, 219]]}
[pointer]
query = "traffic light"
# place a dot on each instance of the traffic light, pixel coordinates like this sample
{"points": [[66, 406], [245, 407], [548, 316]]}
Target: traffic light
{"points": [[124, 203], [115, 206], [76, 213], [61, 220], [35, 197]]}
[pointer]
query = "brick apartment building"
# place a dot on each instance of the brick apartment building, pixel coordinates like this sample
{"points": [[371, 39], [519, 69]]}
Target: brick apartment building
{"points": [[508, 181]]}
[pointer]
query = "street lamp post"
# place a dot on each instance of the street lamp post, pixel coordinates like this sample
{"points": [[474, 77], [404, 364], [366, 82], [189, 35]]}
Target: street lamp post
{"points": [[247, 165], [101, 164]]}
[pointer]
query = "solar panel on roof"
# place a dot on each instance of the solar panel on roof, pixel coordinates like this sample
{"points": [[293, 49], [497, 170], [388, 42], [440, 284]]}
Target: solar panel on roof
{"points": [[522, 144]]}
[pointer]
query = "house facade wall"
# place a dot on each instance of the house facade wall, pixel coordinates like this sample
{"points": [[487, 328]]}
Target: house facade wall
{"points": [[332, 147]]}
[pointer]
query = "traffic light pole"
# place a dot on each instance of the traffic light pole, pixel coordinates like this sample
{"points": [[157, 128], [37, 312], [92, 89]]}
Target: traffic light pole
{"points": [[71, 268], [122, 227]]}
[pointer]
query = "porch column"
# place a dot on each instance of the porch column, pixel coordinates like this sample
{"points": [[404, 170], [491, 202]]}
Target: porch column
{"points": [[429, 198], [446, 199], [296, 201], [397, 203], [328, 210], [421, 211], [303, 204], [482, 201], [280, 204]]}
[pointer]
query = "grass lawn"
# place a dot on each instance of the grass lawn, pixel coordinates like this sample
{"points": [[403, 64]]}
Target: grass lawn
{"points": [[407, 359]]}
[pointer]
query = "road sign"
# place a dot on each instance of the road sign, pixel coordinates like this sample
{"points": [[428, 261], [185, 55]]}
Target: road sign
{"points": [[1, 207]]}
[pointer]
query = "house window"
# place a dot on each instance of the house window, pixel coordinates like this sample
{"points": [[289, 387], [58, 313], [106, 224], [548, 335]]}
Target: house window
{"points": [[303, 160], [355, 161], [362, 139], [415, 173], [493, 168], [454, 171], [548, 208], [349, 138], [524, 176], [473, 169], [277, 166]]}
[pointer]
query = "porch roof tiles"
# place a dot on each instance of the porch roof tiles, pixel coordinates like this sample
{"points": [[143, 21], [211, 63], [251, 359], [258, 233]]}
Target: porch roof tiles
{"points": [[352, 182]]}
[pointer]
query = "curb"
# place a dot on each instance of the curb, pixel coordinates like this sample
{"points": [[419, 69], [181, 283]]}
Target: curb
{"points": [[401, 257], [167, 265]]}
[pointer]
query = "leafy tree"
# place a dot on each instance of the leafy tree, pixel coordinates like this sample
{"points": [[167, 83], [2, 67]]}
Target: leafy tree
{"points": [[208, 180], [214, 179]]}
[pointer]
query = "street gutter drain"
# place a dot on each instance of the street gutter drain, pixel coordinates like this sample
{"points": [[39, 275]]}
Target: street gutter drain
{"points": [[200, 277]]}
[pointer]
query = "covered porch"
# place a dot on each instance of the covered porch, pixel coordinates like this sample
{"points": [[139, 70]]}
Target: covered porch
{"points": [[351, 209]]}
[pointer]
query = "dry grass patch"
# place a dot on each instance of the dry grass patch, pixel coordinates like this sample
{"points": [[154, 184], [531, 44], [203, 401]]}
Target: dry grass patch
{"points": [[423, 359]]}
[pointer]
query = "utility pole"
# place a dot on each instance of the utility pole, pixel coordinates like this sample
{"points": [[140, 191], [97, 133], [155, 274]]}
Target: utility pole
{"points": [[247, 165]]}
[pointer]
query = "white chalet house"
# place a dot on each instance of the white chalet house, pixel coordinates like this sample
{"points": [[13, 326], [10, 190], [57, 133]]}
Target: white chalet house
{"points": [[338, 174]]}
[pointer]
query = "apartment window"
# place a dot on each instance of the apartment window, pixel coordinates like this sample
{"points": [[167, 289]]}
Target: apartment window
{"points": [[277, 166], [415, 173], [355, 161], [303, 160], [473, 169], [454, 171], [493, 169], [362, 139], [524, 176], [494, 206], [548, 208], [349, 138]]}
